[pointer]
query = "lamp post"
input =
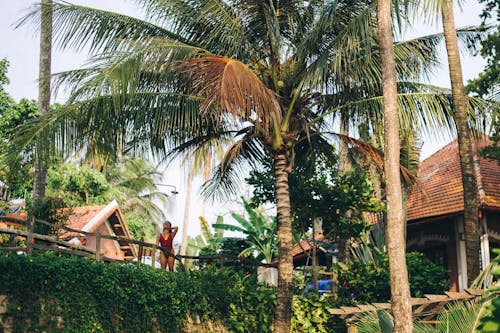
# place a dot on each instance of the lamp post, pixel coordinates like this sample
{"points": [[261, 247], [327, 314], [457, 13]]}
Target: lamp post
{"points": [[174, 191], [169, 202]]}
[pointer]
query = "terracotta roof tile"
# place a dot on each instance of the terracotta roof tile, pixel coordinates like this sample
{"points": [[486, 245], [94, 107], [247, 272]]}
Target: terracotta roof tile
{"points": [[439, 190], [305, 245], [78, 218]]}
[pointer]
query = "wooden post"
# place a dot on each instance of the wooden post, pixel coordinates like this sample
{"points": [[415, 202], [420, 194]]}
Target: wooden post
{"points": [[153, 256], [29, 238], [141, 251], [221, 261], [98, 247], [351, 328], [315, 260]]}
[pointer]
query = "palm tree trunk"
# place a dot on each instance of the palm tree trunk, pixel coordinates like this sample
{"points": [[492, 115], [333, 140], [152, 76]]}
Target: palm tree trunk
{"points": [[464, 143], [283, 315], [43, 96], [400, 289], [187, 206], [207, 168], [344, 162]]}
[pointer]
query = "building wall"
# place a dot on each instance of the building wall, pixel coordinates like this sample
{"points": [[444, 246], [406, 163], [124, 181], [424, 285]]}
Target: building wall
{"points": [[109, 248]]}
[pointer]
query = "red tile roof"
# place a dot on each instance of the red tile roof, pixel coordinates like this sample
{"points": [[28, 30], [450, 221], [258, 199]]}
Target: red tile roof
{"points": [[439, 190], [78, 218], [305, 245]]}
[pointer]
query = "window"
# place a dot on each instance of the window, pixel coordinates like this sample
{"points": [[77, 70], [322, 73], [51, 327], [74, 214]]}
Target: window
{"points": [[437, 255]]}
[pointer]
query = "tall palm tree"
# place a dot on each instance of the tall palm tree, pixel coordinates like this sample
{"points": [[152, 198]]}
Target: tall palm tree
{"points": [[267, 74], [43, 95], [395, 235], [464, 142]]}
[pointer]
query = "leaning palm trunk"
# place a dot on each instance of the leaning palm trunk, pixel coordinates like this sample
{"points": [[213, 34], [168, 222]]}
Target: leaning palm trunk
{"points": [[43, 96], [400, 290], [283, 313], [464, 143]]}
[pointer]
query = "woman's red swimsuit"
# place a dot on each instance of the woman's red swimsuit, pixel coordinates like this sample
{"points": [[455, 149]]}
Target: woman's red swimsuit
{"points": [[167, 243]]}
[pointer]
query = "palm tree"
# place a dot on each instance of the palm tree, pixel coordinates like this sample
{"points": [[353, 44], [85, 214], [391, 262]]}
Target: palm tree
{"points": [[395, 235], [134, 182], [464, 142], [43, 95], [267, 74]]}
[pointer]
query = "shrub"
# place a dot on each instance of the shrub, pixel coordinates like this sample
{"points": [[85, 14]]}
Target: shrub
{"points": [[361, 283], [70, 294]]}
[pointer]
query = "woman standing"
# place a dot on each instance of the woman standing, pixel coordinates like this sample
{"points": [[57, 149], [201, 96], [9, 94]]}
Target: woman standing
{"points": [[165, 239]]}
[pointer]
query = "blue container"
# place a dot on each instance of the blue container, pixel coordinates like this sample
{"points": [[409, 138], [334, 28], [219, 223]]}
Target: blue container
{"points": [[322, 286]]}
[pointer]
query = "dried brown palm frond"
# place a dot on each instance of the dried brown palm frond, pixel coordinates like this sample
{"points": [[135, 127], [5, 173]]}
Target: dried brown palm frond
{"points": [[229, 86], [376, 157]]}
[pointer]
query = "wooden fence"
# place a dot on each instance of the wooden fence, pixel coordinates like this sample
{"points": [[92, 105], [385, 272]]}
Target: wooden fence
{"points": [[53, 243], [426, 308]]}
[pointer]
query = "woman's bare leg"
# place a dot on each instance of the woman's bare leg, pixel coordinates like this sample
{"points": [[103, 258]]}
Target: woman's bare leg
{"points": [[170, 261], [163, 260]]}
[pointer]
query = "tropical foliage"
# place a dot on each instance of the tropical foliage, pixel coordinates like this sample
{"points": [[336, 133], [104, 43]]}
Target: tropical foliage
{"points": [[14, 168], [363, 282], [207, 239], [268, 75], [481, 316], [131, 182], [319, 191], [488, 84], [102, 297], [259, 230]]}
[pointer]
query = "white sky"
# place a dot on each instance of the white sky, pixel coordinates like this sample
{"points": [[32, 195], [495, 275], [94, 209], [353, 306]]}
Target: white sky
{"points": [[20, 47]]}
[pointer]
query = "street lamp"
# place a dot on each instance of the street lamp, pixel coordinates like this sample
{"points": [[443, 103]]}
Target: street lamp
{"points": [[174, 191]]}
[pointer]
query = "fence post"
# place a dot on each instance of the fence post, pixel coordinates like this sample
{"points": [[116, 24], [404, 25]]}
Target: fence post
{"points": [[221, 261], [140, 254], [351, 328], [29, 239], [153, 256], [98, 247]]}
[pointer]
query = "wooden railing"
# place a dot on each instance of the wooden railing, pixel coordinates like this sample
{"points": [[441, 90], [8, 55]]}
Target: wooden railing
{"points": [[36, 241], [425, 309]]}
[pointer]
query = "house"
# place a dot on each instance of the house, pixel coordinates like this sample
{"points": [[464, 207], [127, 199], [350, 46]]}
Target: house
{"points": [[303, 251], [435, 211], [106, 220]]}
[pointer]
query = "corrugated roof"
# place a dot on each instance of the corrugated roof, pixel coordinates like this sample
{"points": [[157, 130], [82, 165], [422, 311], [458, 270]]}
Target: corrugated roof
{"points": [[439, 190]]}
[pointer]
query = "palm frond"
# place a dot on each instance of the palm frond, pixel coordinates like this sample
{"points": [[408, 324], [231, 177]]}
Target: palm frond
{"points": [[78, 26], [223, 31], [228, 85], [226, 177]]}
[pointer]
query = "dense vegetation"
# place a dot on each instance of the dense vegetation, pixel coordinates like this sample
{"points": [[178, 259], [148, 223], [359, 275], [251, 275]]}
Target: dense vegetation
{"points": [[59, 294], [69, 294]]}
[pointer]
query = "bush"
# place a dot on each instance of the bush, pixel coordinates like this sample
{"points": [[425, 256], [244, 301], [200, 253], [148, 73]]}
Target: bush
{"points": [[361, 283], [69, 294]]}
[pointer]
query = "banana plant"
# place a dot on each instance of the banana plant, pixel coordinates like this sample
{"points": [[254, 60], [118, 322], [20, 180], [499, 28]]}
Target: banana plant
{"points": [[259, 230]]}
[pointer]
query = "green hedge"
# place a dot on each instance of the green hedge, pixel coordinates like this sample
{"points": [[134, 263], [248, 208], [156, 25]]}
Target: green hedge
{"points": [[49, 293], [69, 294]]}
